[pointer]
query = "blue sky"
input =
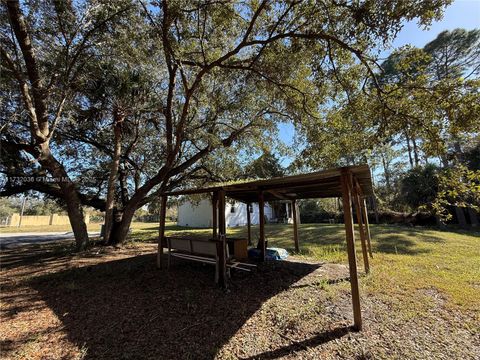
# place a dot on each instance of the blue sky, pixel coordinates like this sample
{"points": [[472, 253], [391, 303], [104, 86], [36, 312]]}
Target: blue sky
{"points": [[461, 14]]}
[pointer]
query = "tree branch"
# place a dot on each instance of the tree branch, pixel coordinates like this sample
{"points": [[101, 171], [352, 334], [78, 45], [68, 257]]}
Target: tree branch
{"points": [[40, 122]]}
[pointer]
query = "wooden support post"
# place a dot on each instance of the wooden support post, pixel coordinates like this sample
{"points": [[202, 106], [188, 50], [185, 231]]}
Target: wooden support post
{"points": [[222, 235], [375, 209], [361, 230], [214, 215], [352, 261], [367, 226], [249, 224], [295, 225], [161, 230], [363, 209], [261, 208]]}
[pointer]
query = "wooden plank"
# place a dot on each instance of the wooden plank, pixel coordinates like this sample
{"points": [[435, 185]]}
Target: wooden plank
{"points": [[161, 230], [249, 224], [221, 249], [277, 194], [194, 258], [261, 208], [240, 249], [295, 225], [193, 191], [352, 261], [361, 230], [367, 226]]}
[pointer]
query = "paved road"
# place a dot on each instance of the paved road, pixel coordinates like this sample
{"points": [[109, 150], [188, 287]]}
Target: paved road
{"points": [[12, 240]]}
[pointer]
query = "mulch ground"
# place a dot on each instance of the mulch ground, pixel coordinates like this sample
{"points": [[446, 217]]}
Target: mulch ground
{"points": [[114, 304]]}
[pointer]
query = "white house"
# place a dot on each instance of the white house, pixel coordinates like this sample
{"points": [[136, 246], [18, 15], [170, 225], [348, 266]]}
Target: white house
{"points": [[200, 215]]}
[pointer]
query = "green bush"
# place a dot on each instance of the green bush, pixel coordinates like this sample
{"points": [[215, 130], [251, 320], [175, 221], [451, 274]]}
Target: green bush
{"points": [[419, 186]]}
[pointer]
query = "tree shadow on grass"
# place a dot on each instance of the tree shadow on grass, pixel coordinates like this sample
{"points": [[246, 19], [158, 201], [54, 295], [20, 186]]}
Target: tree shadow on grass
{"points": [[389, 239], [397, 244], [403, 240], [127, 309], [330, 238]]}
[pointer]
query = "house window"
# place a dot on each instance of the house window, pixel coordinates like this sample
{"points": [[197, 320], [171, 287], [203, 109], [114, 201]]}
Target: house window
{"points": [[232, 209], [250, 208]]}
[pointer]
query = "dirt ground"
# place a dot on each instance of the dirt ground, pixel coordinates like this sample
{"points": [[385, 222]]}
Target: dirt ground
{"points": [[114, 304]]}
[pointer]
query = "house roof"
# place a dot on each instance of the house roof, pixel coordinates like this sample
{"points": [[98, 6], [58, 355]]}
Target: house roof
{"points": [[321, 184]]}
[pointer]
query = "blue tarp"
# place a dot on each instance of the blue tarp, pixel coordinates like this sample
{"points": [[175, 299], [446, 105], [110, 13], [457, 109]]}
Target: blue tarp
{"points": [[270, 254]]}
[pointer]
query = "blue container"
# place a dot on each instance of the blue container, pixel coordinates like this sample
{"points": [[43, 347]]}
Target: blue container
{"points": [[270, 253]]}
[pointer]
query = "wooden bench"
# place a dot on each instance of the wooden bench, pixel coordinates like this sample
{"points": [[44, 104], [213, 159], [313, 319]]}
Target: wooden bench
{"points": [[204, 251]]}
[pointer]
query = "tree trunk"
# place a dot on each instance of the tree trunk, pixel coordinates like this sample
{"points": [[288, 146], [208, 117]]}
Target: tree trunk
{"points": [[36, 104], [375, 209], [76, 217], [462, 221], [122, 178], [444, 160], [472, 214], [121, 226], [440, 222], [120, 231], [415, 152], [409, 148], [70, 196], [386, 171], [110, 202], [458, 151], [124, 219]]}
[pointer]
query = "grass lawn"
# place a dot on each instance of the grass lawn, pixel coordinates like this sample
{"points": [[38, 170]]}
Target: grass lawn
{"points": [[419, 301], [405, 259]]}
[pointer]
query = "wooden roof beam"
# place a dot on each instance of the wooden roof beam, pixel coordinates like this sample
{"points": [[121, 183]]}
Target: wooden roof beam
{"points": [[280, 195]]}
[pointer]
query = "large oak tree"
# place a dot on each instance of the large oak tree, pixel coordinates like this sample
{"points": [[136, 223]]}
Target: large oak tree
{"points": [[218, 74]]}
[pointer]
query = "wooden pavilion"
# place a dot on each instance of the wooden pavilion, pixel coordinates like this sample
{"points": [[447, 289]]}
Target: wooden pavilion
{"points": [[352, 184]]}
